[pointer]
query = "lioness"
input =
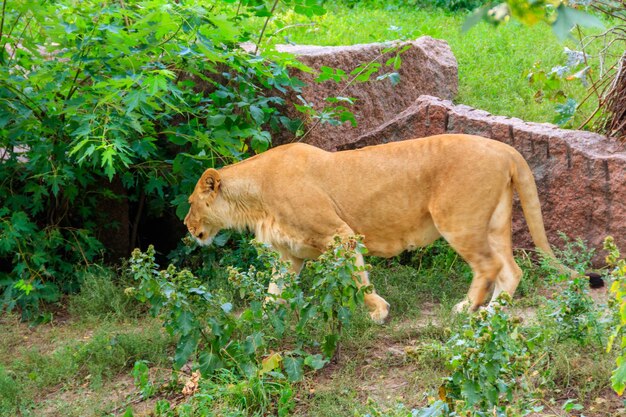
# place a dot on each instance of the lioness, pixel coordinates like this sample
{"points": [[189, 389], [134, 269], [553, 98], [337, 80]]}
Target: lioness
{"points": [[399, 196]]}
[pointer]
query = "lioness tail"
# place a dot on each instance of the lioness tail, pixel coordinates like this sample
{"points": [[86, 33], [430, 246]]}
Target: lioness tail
{"points": [[524, 184]]}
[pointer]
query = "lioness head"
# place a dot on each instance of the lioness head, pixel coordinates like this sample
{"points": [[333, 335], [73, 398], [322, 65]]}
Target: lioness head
{"points": [[204, 219]]}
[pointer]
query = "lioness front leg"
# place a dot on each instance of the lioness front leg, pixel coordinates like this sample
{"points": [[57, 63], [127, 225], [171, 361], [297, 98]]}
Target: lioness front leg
{"points": [[295, 266], [377, 306]]}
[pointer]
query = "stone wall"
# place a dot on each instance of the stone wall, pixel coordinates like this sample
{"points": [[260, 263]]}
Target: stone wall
{"points": [[428, 67], [581, 176]]}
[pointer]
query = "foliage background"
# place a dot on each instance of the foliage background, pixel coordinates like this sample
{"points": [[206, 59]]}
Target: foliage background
{"points": [[102, 103]]}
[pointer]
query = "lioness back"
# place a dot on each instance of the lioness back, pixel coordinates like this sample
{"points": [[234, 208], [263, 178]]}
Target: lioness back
{"points": [[399, 196], [390, 193]]}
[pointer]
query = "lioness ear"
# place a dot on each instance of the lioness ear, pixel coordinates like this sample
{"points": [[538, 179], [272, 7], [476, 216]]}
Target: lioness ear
{"points": [[210, 182]]}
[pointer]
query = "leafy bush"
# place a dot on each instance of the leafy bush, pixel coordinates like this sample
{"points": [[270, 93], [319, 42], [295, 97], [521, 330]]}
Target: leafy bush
{"points": [[575, 254], [454, 5], [141, 96], [229, 394], [575, 314], [44, 260], [449, 5], [572, 313], [269, 342], [210, 263], [618, 306], [486, 359]]}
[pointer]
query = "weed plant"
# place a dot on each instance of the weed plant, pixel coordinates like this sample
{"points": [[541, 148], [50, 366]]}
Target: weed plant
{"points": [[571, 313], [248, 348], [618, 307]]}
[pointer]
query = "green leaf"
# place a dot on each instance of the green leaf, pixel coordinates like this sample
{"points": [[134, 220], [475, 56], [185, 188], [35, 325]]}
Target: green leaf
{"points": [[471, 391], [21, 223], [571, 405], [293, 368], [491, 393], [257, 114], [154, 84], [568, 17], [270, 363], [437, 409], [208, 362], [618, 377], [133, 99], [260, 141], [565, 112], [394, 77], [216, 120], [253, 342], [185, 322], [330, 344], [185, 348], [315, 361]]}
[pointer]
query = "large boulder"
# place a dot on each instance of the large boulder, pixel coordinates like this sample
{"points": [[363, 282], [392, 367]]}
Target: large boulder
{"points": [[581, 176], [427, 67]]}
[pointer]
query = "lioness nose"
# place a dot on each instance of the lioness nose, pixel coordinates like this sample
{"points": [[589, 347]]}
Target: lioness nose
{"points": [[201, 235]]}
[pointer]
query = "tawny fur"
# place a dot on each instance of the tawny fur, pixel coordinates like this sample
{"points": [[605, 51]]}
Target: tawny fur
{"points": [[399, 196]]}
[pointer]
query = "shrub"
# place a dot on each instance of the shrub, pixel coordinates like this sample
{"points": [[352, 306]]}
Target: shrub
{"points": [[141, 96], [572, 312], [618, 306], [267, 345], [486, 359]]}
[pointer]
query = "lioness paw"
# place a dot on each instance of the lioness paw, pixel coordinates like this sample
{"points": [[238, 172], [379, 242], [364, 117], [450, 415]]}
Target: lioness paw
{"points": [[275, 299], [379, 316], [462, 307], [379, 308]]}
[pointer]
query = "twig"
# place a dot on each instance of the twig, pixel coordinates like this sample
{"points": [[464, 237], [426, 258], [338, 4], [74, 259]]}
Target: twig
{"points": [[348, 84], [295, 25], [171, 37], [126, 21], [133, 236], [580, 37], [600, 81], [256, 50], [80, 248], [19, 40], [4, 7], [601, 10], [556, 413], [238, 8]]}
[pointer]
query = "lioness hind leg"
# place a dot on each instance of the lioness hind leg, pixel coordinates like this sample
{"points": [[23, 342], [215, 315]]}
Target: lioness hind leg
{"points": [[508, 278], [486, 266], [486, 269], [510, 275], [500, 241]]}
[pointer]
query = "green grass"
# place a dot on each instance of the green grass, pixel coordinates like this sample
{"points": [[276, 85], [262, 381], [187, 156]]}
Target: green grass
{"points": [[81, 366], [101, 296], [78, 361], [492, 61], [71, 367]]}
